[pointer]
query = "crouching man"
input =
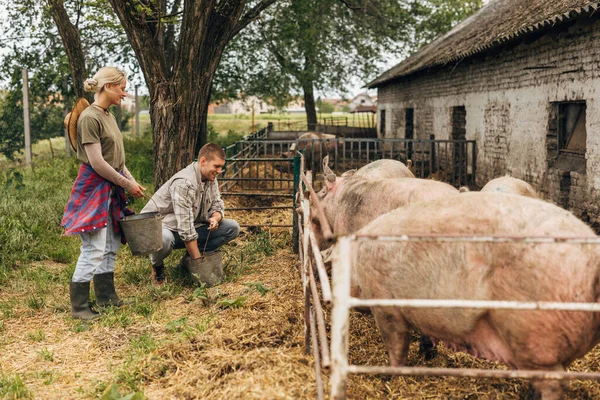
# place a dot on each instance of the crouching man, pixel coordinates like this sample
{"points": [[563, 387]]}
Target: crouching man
{"points": [[193, 213]]}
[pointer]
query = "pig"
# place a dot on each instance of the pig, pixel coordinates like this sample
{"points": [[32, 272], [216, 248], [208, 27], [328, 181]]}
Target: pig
{"points": [[315, 150], [539, 340], [382, 169], [508, 184], [351, 201]]}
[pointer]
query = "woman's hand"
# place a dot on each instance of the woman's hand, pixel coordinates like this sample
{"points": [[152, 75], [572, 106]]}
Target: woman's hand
{"points": [[135, 189]]}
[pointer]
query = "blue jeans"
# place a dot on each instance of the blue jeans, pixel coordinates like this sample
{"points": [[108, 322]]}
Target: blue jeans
{"points": [[227, 231]]}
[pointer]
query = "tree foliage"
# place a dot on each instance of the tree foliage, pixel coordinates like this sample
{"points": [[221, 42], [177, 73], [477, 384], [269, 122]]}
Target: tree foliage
{"points": [[302, 46], [30, 40]]}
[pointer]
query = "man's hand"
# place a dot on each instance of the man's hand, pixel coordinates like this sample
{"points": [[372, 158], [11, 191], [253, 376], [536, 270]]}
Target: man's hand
{"points": [[213, 224]]}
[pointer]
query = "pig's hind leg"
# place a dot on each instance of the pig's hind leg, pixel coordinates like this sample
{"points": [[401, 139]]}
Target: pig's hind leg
{"points": [[547, 389], [395, 333]]}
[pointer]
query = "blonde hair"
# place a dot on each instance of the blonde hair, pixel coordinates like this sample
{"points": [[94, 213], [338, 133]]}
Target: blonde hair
{"points": [[104, 75]]}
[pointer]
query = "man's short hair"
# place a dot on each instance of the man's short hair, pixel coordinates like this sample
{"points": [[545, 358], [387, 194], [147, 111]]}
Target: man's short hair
{"points": [[210, 151]]}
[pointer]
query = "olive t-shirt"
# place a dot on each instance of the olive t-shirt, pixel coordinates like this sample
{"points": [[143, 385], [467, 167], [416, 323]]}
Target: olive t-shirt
{"points": [[94, 126]]}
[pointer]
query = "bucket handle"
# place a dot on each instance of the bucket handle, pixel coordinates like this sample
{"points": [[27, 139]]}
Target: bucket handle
{"points": [[156, 205]]}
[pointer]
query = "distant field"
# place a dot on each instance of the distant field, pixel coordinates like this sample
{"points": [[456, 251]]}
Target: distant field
{"points": [[222, 123], [241, 123]]}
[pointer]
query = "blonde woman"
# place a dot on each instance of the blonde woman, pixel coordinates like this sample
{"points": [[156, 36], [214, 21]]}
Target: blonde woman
{"points": [[98, 199]]}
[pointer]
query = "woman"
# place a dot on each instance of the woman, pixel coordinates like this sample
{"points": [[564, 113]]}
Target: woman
{"points": [[98, 199]]}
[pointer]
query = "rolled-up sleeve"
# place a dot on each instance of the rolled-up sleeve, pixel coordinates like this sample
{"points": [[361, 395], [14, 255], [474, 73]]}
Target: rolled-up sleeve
{"points": [[182, 195]]}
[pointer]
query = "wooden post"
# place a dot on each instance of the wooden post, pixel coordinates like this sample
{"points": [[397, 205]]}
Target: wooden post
{"points": [[26, 123], [137, 113]]}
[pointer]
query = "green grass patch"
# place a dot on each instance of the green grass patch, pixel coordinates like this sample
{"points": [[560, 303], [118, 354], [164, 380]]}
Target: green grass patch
{"points": [[112, 393], [259, 287], [47, 375], [12, 387], [37, 336], [238, 302], [46, 354]]}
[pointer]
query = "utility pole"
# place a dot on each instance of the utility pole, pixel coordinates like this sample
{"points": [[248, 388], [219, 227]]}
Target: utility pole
{"points": [[252, 116], [26, 124]]}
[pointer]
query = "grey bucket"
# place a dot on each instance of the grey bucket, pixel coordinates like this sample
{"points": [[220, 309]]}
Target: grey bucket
{"points": [[209, 268], [143, 232]]}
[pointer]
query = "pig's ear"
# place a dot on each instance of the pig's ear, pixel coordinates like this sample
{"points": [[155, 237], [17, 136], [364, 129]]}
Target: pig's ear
{"points": [[329, 174], [331, 183]]}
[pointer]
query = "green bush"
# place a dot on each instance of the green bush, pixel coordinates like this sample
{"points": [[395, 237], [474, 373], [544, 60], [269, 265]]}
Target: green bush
{"points": [[139, 158], [223, 140]]}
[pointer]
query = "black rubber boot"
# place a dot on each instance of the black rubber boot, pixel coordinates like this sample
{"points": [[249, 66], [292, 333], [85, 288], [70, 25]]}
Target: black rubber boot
{"points": [[80, 298], [104, 286], [158, 274]]}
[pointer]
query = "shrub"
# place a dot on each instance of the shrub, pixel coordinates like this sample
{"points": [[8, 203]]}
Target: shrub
{"points": [[31, 213]]}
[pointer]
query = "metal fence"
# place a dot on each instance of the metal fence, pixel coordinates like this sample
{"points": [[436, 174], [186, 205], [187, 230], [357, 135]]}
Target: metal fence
{"points": [[452, 161], [260, 168], [318, 294]]}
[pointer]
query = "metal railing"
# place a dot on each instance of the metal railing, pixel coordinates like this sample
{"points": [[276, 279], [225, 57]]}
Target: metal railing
{"points": [[452, 161], [260, 168], [318, 294]]}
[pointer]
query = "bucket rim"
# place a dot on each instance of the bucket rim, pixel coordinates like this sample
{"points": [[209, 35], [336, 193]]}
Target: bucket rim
{"points": [[146, 215]]}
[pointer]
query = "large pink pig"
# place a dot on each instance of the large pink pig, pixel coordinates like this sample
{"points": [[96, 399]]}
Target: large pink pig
{"points": [[539, 340]]}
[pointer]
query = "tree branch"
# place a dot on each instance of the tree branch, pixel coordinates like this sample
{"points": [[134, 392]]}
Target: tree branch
{"points": [[150, 54], [72, 43], [250, 16]]}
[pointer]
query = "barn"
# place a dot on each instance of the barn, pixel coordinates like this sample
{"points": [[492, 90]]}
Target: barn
{"points": [[522, 79]]}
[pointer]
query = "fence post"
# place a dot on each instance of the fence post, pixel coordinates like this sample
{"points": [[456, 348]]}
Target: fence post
{"points": [[340, 318], [474, 167], [295, 239], [432, 154], [26, 123]]}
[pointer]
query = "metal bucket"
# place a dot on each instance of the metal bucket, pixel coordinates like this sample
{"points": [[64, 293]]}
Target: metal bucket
{"points": [[209, 269], [143, 232]]}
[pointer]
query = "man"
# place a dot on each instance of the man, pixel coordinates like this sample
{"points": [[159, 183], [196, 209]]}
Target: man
{"points": [[192, 210]]}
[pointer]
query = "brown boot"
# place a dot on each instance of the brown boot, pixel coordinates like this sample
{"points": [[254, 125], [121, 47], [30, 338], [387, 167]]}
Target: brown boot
{"points": [[80, 301]]}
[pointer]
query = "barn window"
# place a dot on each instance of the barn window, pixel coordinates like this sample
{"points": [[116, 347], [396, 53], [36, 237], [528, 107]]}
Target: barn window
{"points": [[409, 123], [459, 123], [382, 123], [572, 134]]}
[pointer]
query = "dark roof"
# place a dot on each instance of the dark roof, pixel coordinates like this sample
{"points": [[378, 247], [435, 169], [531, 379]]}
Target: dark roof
{"points": [[497, 22]]}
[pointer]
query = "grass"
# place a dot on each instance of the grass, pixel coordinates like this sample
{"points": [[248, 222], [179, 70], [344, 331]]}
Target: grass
{"points": [[12, 387]]}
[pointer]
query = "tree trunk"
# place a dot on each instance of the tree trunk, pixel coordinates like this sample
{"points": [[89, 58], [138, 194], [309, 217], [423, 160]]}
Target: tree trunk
{"points": [[309, 106], [72, 42], [175, 127]]}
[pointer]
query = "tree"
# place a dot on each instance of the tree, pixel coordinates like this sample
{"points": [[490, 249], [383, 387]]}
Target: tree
{"points": [[308, 45], [179, 48], [57, 70], [46, 111]]}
